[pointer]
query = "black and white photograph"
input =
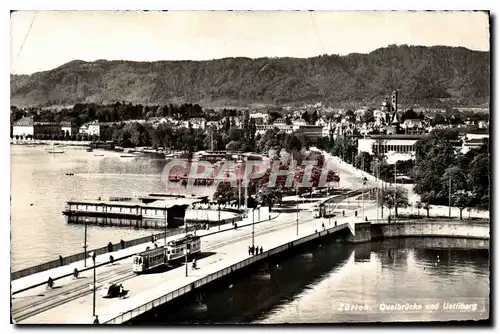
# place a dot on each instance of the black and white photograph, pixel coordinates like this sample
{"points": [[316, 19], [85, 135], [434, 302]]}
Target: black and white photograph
{"points": [[249, 167]]}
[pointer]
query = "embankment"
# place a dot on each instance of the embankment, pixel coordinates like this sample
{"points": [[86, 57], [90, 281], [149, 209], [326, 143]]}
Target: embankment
{"points": [[368, 231]]}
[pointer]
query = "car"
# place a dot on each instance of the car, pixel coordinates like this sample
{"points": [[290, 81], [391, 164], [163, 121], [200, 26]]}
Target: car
{"points": [[111, 290]]}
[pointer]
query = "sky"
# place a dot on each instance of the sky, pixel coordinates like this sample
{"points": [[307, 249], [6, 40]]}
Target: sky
{"points": [[44, 40]]}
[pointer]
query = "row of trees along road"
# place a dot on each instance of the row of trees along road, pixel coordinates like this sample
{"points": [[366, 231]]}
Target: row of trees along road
{"points": [[258, 189], [439, 165]]}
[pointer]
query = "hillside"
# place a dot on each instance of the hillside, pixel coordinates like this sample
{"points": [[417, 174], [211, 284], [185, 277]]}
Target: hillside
{"points": [[422, 74]]}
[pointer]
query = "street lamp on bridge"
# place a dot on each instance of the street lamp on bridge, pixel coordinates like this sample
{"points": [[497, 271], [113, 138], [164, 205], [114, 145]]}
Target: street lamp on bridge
{"points": [[85, 245], [93, 256]]}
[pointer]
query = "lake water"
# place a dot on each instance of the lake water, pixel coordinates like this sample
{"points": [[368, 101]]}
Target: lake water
{"points": [[40, 190], [328, 283]]}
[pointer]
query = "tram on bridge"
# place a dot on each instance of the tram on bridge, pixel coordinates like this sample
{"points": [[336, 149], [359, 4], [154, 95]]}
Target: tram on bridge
{"points": [[175, 250]]}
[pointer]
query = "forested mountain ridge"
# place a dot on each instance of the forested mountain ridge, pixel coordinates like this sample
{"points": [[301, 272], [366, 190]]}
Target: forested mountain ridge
{"points": [[423, 75]]}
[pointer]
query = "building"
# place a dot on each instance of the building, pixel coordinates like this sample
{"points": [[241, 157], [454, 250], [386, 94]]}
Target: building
{"points": [[94, 129], [394, 147], [260, 118], [309, 131], [473, 143], [47, 129], [413, 126], [280, 124], [68, 129], [23, 127], [26, 126]]}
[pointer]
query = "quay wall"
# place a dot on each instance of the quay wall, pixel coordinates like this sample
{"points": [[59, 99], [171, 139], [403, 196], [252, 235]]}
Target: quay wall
{"points": [[365, 232], [445, 228], [131, 314], [50, 142]]}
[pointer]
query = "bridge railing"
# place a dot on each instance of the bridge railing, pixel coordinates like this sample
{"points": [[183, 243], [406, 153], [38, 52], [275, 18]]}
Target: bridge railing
{"points": [[103, 250], [99, 251]]}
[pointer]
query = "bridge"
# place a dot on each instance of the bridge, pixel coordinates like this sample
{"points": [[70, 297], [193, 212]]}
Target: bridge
{"points": [[71, 301]]}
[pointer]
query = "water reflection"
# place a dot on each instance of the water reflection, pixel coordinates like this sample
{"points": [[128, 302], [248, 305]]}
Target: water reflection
{"points": [[317, 285]]}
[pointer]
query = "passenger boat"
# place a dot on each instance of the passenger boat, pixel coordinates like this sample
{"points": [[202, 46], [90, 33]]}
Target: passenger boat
{"points": [[127, 156], [53, 150], [90, 150]]}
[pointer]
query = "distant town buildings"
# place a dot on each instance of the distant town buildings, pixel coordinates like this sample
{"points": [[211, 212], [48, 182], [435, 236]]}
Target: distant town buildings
{"points": [[26, 126]]}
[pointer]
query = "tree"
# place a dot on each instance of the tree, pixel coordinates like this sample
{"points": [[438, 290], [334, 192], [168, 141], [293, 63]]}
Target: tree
{"points": [[349, 113], [368, 116], [426, 199], [225, 193], [306, 117], [478, 175], [462, 199], [434, 156], [269, 196], [363, 161], [409, 114], [387, 198], [313, 118], [419, 206]]}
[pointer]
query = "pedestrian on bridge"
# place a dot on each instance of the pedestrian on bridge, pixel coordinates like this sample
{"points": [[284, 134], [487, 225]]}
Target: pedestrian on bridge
{"points": [[343, 213], [261, 249], [96, 320], [356, 213], [249, 250]]}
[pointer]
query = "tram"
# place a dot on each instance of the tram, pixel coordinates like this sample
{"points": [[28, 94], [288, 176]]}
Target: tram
{"points": [[176, 248], [160, 256], [324, 210]]}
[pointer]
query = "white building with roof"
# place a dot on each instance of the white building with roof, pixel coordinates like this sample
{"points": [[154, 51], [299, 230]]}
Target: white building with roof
{"points": [[394, 147], [24, 127]]}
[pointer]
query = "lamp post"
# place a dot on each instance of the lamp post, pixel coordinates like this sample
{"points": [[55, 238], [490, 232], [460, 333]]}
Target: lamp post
{"points": [[253, 228], [449, 196], [218, 212], [395, 201], [378, 183], [85, 245], [297, 204], [93, 256], [363, 196], [239, 179], [186, 246], [165, 236]]}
